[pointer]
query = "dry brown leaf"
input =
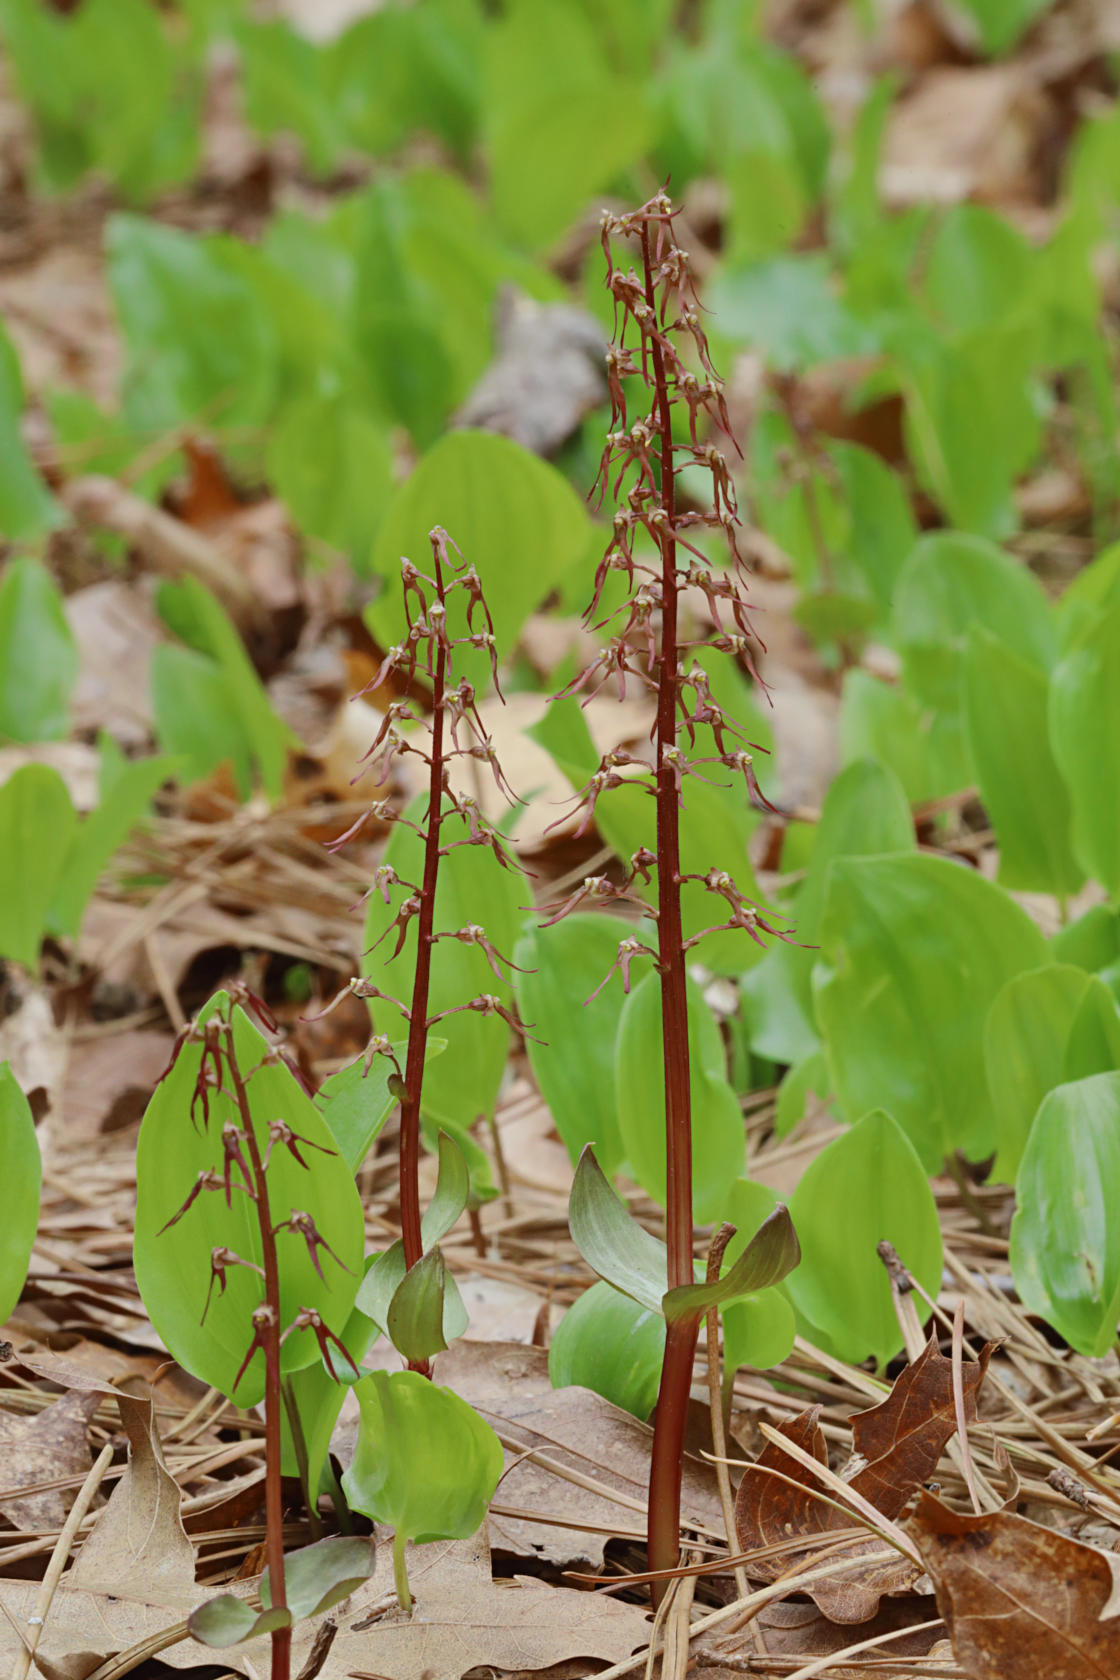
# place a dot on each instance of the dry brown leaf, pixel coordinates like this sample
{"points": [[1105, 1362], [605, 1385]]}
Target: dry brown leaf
{"points": [[1021, 1602], [897, 1445], [463, 1619], [509, 1384], [109, 1081], [966, 132], [45, 1447]]}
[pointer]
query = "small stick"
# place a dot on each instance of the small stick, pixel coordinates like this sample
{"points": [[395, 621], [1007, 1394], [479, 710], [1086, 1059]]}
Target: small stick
{"points": [[58, 1561]]}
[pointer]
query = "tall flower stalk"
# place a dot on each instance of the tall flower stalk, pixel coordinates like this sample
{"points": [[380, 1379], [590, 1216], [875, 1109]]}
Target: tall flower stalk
{"points": [[658, 334], [446, 615]]}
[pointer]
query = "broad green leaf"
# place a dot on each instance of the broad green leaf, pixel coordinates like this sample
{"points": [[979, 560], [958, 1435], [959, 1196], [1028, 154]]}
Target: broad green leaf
{"points": [[229, 1620], [332, 465], [319, 1576], [355, 1102], [915, 950], [808, 1077], [472, 887], [770, 1255], [1030, 1046], [865, 813], [199, 619], [415, 1320], [1091, 942], [198, 348], [611, 1240], [451, 1194], [38, 658], [425, 1462], [1095, 590], [608, 1343], [1084, 702], [950, 583], [978, 269], [38, 827], [789, 309], [972, 422], [758, 1331], [883, 529], [926, 750], [21, 1170], [548, 159], [173, 1262], [27, 508], [120, 807], [195, 717], [718, 1137], [1005, 701], [514, 518], [865, 1187], [286, 91], [1065, 1240], [574, 1066]]}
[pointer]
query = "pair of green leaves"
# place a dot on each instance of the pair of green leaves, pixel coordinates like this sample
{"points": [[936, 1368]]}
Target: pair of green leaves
{"points": [[57, 857], [315, 1579], [420, 1308]]}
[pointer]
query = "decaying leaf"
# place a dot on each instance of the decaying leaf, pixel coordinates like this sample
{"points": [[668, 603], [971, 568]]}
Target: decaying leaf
{"points": [[46, 1446], [1020, 1601], [896, 1446], [462, 1619]]}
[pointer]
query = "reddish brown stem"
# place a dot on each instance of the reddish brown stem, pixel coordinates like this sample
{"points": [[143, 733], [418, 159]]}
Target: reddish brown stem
{"points": [[418, 1020], [273, 1402], [672, 1403]]}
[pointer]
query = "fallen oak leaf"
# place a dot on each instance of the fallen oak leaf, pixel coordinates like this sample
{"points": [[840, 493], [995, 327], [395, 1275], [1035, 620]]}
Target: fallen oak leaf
{"points": [[897, 1444], [1020, 1600]]}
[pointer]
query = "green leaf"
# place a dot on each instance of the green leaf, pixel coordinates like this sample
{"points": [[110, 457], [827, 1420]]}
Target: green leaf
{"points": [[415, 1320], [452, 1193], [425, 1462], [926, 750], [789, 309], [228, 1620], [514, 518], [27, 508], [1065, 1240], [915, 951], [320, 1576], [807, 1077], [611, 1241], [195, 718], [770, 1255], [758, 1331], [386, 1274], [201, 621], [286, 91], [608, 1343], [1084, 701], [106, 828], [316, 1393], [338, 487], [718, 1144], [198, 346], [563, 966], [978, 270], [1005, 709], [865, 813], [21, 1169], [865, 1187], [950, 583], [173, 1261], [549, 158], [1001, 22], [1091, 942], [356, 1102], [1028, 1040], [38, 658], [472, 887], [38, 826]]}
